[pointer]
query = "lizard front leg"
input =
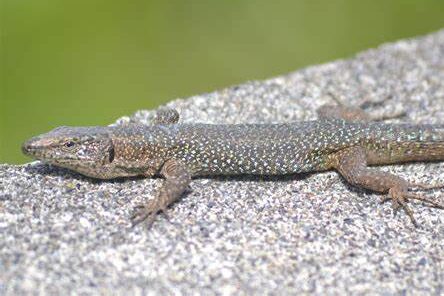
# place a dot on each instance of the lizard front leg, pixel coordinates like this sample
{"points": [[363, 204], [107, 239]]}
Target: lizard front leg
{"points": [[166, 115], [177, 178], [352, 165]]}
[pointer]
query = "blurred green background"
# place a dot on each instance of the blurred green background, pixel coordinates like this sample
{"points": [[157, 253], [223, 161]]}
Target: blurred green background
{"points": [[90, 62]]}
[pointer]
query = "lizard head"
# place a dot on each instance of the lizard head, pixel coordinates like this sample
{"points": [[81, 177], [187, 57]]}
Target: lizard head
{"points": [[87, 150]]}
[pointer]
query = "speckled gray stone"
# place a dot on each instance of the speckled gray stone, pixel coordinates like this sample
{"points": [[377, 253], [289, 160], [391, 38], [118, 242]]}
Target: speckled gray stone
{"points": [[61, 232]]}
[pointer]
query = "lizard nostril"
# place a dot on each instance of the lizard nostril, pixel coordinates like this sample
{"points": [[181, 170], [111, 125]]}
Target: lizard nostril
{"points": [[29, 146], [26, 147]]}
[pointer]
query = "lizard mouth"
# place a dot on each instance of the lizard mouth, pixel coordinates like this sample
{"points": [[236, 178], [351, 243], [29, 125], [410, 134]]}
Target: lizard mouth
{"points": [[36, 147], [31, 147], [39, 148]]}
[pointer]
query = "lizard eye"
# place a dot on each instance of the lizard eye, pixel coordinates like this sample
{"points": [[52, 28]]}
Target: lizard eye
{"points": [[69, 144]]}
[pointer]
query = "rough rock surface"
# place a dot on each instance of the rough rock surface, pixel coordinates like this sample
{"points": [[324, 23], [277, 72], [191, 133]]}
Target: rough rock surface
{"points": [[61, 232]]}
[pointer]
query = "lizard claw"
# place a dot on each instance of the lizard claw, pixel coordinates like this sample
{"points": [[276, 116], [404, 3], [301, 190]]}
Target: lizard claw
{"points": [[425, 200], [425, 187], [399, 201], [140, 215], [139, 207], [145, 212], [384, 199], [400, 198]]}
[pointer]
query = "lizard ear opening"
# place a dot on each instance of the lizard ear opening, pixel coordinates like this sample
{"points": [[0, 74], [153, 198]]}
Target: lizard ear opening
{"points": [[111, 154]]}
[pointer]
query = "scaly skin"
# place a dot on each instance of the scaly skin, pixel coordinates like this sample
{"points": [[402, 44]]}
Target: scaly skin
{"points": [[179, 152]]}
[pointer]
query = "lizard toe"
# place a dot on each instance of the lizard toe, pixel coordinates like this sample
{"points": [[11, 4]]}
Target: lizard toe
{"points": [[399, 199], [146, 212], [141, 213], [426, 200], [138, 217], [425, 187], [384, 199]]}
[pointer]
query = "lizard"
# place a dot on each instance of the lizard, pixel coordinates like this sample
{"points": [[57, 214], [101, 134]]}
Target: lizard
{"points": [[344, 139]]}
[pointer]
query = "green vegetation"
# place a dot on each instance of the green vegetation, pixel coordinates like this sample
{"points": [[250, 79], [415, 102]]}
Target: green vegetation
{"points": [[90, 62]]}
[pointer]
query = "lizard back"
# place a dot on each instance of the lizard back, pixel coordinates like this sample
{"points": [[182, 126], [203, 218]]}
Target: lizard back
{"points": [[264, 149], [286, 148]]}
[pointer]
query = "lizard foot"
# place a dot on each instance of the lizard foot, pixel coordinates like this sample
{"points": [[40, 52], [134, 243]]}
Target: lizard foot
{"points": [[145, 212], [400, 198], [425, 187]]}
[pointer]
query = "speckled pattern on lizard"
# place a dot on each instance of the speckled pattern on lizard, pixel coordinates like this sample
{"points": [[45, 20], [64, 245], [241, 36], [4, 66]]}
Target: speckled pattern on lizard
{"points": [[345, 139]]}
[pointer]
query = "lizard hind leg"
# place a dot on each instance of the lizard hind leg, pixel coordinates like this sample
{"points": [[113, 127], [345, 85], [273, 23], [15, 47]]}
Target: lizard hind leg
{"points": [[349, 113], [425, 187], [400, 197], [351, 164], [419, 197], [341, 112], [353, 114], [414, 196]]}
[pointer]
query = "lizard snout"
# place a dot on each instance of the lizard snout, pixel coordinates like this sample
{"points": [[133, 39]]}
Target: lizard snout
{"points": [[33, 145], [28, 146]]}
